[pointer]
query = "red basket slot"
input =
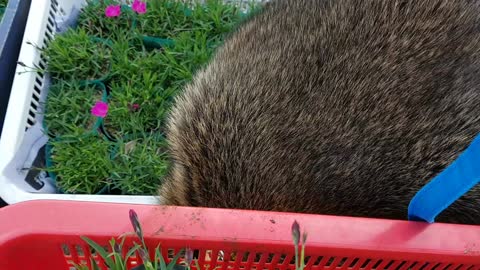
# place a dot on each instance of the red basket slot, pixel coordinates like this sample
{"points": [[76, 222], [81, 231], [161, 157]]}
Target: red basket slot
{"points": [[45, 235]]}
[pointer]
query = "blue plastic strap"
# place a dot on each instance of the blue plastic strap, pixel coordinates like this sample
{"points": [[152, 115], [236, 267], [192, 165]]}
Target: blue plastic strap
{"points": [[448, 186]]}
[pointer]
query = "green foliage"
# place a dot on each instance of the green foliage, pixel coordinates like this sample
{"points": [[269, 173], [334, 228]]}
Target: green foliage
{"points": [[75, 55], [144, 60], [67, 110], [136, 108], [164, 18], [81, 164], [116, 257], [139, 165], [93, 21]]}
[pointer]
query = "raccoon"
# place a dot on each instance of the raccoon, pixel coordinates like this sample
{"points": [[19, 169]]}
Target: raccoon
{"points": [[334, 107]]}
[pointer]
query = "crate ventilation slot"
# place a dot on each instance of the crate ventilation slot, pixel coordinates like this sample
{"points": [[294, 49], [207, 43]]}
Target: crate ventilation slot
{"points": [[42, 64], [218, 259]]}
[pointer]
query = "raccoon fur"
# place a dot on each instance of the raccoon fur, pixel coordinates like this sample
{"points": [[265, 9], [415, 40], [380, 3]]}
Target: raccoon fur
{"points": [[336, 107]]}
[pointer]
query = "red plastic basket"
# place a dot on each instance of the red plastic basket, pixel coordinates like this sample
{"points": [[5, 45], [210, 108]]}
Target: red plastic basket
{"points": [[45, 235]]}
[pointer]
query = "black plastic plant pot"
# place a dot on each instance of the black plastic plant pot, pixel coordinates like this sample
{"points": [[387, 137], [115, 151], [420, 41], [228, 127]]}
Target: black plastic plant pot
{"points": [[107, 134], [12, 28]]}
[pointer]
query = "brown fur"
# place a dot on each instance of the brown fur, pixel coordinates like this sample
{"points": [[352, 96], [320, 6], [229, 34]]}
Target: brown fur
{"points": [[344, 107]]}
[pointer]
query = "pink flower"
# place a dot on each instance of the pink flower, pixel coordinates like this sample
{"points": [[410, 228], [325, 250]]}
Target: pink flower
{"points": [[100, 109], [139, 6], [112, 11], [134, 107]]}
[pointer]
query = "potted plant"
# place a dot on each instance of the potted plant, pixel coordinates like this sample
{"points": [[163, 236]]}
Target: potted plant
{"points": [[74, 55], [136, 106], [68, 108], [80, 164], [139, 164]]}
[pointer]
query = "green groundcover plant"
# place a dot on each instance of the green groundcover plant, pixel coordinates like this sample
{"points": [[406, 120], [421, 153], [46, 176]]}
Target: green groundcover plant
{"points": [[142, 54], [69, 112], [81, 164], [143, 102], [76, 55], [116, 257], [139, 164]]}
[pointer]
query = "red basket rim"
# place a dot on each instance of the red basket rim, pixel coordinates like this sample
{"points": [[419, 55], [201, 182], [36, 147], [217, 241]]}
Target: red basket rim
{"points": [[401, 239]]}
